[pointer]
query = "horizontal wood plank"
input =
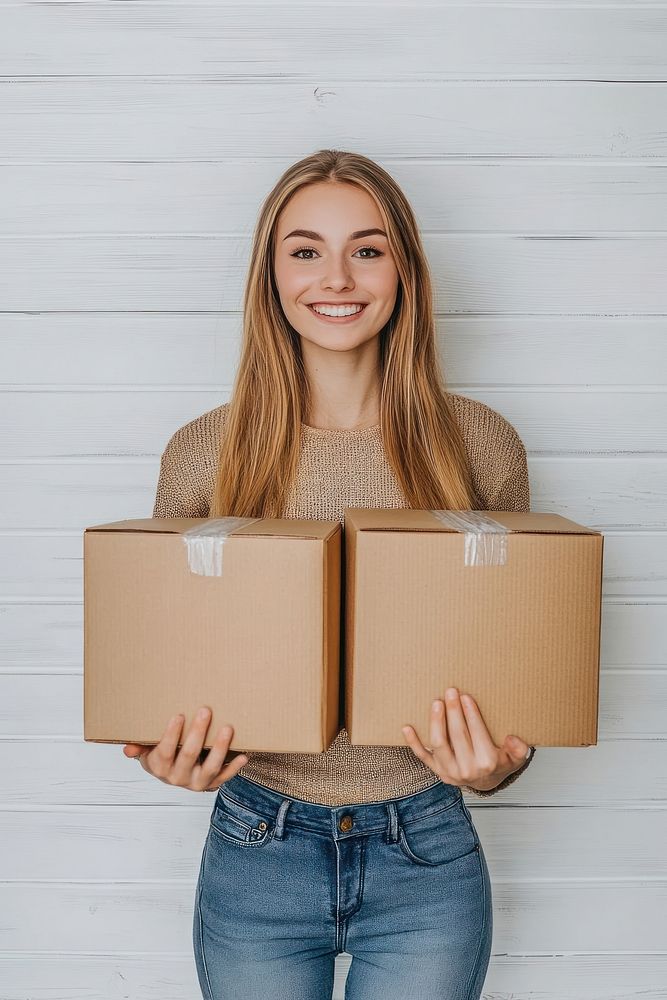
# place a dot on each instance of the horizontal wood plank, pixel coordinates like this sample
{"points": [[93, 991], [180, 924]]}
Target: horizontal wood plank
{"points": [[501, 273], [157, 916], [607, 492], [630, 773], [49, 634], [116, 352], [82, 424], [43, 566], [447, 194], [445, 41], [109, 843], [633, 704], [140, 976], [136, 119]]}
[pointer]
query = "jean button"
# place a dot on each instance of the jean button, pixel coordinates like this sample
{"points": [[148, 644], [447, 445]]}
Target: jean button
{"points": [[346, 823]]}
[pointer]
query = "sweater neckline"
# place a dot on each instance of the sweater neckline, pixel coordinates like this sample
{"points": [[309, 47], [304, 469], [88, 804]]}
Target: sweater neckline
{"points": [[341, 431]]}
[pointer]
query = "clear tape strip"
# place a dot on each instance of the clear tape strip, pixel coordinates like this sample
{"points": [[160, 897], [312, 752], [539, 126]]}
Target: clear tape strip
{"points": [[485, 538], [205, 542]]}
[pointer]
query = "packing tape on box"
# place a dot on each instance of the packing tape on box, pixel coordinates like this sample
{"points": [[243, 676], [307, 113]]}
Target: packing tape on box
{"points": [[205, 541], [485, 538]]}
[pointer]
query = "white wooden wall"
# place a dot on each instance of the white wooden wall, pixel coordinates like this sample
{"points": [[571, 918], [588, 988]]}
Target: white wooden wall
{"points": [[136, 143]]}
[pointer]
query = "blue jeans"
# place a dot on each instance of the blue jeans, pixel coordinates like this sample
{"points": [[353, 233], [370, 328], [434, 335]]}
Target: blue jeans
{"points": [[285, 885]]}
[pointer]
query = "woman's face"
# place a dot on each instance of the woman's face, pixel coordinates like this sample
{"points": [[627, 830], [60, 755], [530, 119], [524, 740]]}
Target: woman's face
{"points": [[331, 251]]}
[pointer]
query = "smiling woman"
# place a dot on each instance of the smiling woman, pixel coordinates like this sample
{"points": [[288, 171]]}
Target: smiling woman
{"points": [[339, 401], [344, 280]]}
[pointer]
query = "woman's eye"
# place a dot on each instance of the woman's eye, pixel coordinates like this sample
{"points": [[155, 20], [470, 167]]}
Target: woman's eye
{"points": [[301, 250], [374, 249]]}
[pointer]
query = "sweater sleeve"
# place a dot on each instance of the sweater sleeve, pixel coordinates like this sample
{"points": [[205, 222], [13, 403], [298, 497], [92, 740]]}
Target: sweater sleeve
{"points": [[179, 492], [513, 493]]}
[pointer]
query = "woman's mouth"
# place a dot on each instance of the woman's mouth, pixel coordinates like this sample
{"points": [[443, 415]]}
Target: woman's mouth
{"points": [[339, 318]]}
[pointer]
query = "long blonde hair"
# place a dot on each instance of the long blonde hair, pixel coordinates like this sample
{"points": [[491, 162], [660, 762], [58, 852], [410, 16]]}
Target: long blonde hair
{"points": [[260, 446]]}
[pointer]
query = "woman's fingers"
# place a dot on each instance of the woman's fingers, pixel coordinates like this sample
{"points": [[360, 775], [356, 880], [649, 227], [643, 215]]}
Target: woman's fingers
{"points": [[449, 735], [188, 755], [228, 771], [162, 755], [484, 749], [457, 728], [437, 730], [214, 766], [182, 767], [417, 746], [462, 746]]}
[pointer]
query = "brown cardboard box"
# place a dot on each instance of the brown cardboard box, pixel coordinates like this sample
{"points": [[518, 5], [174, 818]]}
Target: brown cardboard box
{"points": [[259, 643], [520, 633]]}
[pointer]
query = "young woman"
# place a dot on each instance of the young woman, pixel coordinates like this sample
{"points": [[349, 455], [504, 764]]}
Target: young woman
{"points": [[339, 402]]}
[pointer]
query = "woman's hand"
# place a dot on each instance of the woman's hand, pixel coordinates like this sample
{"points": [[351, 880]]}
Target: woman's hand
{"points": [[463, 752], [184, 770]]}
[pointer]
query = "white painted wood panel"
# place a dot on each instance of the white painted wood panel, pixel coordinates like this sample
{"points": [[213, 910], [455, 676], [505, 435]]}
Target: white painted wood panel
{"points": [[535, 915], [115, 351], [573, 975], [120, 119], [444, 41], [472, 273], [58, 771], [633, 704], [49, 632], [484, 195], [44, 566], [91, 842], [122, 423], [138, 140], [603, 490]]}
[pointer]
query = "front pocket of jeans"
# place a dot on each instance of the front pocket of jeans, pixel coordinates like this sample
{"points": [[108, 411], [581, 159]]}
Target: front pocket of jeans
{"points": [[439, 838], [239, 824]]}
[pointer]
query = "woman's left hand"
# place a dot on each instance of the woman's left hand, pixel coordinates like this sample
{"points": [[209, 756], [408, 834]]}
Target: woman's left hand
{"points": [[463, 752]]}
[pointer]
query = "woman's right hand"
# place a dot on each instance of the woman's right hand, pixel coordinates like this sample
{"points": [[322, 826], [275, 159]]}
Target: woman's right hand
{"points": [[183, 768]]}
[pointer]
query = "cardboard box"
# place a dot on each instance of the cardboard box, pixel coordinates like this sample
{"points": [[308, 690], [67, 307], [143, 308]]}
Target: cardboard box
{"points": [[259, 643], [520, 633]]}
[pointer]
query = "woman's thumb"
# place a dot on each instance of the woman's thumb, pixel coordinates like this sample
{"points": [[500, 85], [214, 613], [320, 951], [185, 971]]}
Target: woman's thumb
{"points": [[517, 749]]}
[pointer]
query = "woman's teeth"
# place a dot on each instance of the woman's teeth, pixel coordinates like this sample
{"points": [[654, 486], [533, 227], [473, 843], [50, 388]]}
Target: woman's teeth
{"points": [[337, 310]]}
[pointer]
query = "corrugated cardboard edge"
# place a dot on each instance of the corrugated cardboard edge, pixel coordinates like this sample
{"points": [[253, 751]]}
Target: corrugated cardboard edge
{"points": [[347, 659], [275, 526], [331, 596], [595, 734], [407, 519]]}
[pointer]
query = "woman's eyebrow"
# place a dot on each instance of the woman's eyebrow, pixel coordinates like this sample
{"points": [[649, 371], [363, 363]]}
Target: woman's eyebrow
{"points": [[308, 234]]}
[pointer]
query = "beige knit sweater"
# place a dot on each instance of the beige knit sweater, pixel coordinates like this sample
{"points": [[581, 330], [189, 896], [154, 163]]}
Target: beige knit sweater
{"points": [[338, 469]]}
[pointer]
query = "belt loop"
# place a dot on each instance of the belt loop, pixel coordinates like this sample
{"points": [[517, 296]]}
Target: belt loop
{"points": [[392, 834], [280, 819]]}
